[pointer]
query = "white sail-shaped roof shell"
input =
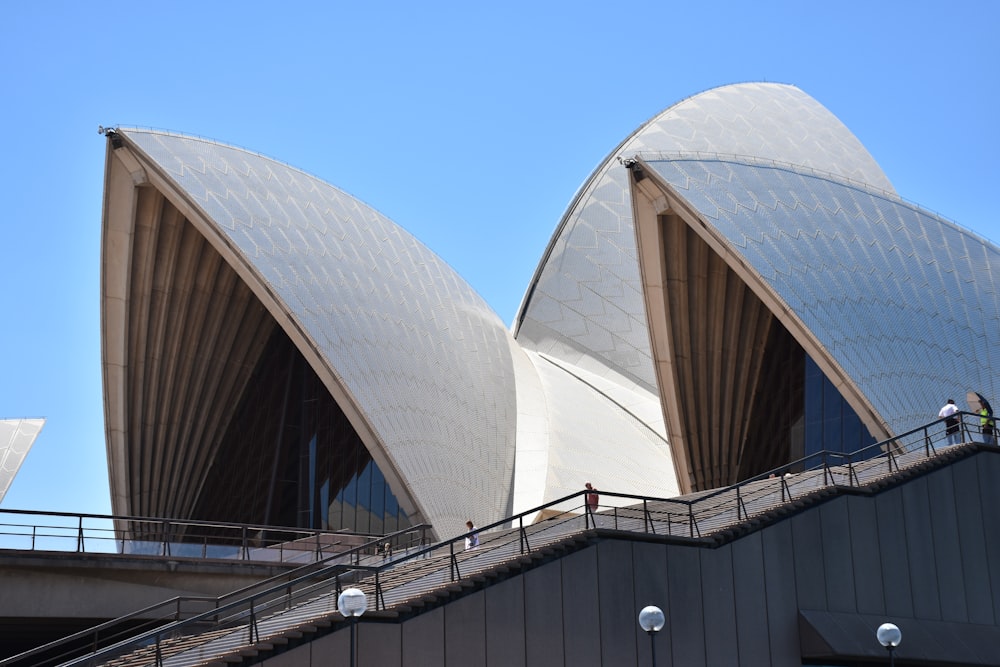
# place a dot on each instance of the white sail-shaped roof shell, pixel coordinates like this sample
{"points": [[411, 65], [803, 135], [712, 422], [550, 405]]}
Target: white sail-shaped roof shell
{"points": [[904, 303], [415, 357], [585, 303]]}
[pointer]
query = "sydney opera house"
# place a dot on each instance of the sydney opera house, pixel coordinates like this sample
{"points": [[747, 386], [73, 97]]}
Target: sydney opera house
{"points": [[736, 286]]}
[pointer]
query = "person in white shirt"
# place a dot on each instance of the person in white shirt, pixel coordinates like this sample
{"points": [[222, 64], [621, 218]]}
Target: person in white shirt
{"points": [[471, 540], [949, 413]]}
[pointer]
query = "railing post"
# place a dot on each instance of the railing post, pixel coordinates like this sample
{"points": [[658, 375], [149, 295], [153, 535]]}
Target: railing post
{"points": [[691, 519], [254, 637], [79, 536], [453, 561], [159, 653], [645, 516], [826, 470], [165, 533], [739, 504], [522, 537]]}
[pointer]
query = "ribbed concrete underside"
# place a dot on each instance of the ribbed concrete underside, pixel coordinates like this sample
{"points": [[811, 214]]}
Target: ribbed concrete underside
{"points": [[195, 333]]}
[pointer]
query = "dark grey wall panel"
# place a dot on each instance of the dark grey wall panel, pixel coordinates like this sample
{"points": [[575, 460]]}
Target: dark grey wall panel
{"points": [[737, 603], [649, 571], [719, 605], [865, 555], [838, 566], [920, 547], [465, 630], [649, 568], [378, 644], [505, 623], [989, 483], [970, 522], [687, 630], [750, 597], [947, 546], [782, 596], [892, 549], [299, 657], [619, 614], [810, 581], [334, 649], [581, 620], [543, 615], [423, 639]]}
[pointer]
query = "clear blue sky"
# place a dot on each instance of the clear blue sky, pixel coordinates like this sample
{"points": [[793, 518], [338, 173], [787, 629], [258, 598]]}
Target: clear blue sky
{"points": [[471, 126]]}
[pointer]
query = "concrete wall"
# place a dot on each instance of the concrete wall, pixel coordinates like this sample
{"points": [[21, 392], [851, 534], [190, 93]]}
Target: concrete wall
{"points": [[52, 586]]}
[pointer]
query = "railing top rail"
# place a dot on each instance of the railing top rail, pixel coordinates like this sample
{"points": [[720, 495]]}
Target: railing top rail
{"points": [[126, 518]]}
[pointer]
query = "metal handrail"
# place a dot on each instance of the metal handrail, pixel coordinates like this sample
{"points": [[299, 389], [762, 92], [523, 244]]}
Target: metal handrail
{"points": [[151, 614], [156, 536]]}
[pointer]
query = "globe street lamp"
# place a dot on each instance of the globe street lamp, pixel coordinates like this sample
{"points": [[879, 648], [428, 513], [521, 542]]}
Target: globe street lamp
{"points": [[889, 636], [351, 604], [651, 619]]}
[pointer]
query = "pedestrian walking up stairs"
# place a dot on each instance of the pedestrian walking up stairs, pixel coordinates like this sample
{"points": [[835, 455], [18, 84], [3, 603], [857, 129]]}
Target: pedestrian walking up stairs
{"points": [[294, 611]]}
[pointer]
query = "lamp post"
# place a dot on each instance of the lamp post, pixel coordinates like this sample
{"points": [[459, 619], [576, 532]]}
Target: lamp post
{"points": [[652, 620], [351, 604], [889, 636]]}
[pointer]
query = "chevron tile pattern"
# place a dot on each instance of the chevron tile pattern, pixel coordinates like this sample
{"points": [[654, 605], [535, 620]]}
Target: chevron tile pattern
{"points": [[585, 304], [16, 438], [422, 355], [902, 299]]}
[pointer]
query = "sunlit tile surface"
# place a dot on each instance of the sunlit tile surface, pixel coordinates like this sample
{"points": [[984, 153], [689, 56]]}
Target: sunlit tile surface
{"points": [[906, 302]]}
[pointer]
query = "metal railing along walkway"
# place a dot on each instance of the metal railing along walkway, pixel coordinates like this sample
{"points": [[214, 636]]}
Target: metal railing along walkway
{"points": [[114, 535], [181, 608], [258, 622]]}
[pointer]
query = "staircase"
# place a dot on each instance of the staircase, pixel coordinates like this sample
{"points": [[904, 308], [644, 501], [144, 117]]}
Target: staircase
{"points": [[244, 630]]}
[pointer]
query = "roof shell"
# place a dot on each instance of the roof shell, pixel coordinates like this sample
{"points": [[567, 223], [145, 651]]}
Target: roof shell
{"points": [[16, 438], [585, 303], [906, 303], [424, 360]]}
